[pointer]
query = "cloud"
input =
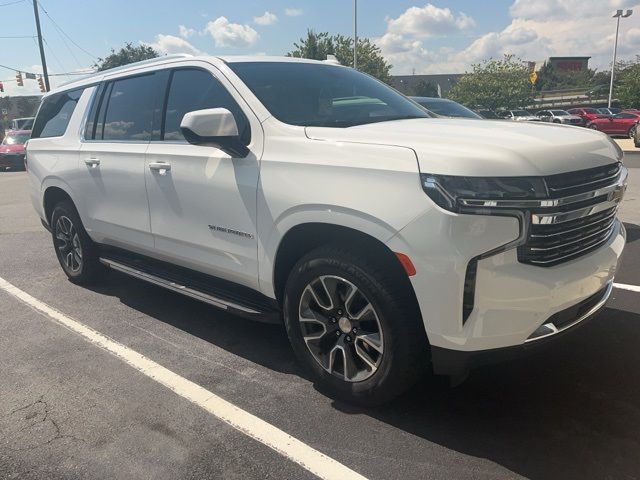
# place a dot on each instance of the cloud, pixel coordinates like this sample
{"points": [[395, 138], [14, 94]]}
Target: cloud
{"points": [[267, 18], [185, 32], [429, 21], [171, 44], [227, 34], [537, 30], [293, 12]]}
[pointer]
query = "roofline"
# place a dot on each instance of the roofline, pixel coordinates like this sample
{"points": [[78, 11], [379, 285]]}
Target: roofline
{"points": [[122, 68]]}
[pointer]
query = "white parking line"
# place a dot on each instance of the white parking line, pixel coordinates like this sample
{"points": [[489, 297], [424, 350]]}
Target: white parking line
{"points": [[624, 286], [290, 447]]}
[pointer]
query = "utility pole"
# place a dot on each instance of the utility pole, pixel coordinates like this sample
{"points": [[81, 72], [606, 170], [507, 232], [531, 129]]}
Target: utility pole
{"points": [[40, 44], [618, 14], [355, 34]]}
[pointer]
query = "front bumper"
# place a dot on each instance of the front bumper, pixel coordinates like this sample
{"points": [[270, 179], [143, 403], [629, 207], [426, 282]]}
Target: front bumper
{"points": [[512, 299]]}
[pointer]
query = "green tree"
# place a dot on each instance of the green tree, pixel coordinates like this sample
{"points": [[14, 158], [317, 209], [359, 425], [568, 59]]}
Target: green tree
{"points": [[425, 88], [628, 91], [127, 54], [25, 107], [495, 84], [318, 45]]}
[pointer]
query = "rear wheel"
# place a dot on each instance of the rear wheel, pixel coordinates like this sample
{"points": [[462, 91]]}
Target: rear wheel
{"points": [[632, 131], [353, 328], [593, 126], [76, 252]]}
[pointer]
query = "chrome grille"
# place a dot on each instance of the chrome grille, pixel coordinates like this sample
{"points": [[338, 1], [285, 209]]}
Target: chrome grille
{"points": [[580, 219]]}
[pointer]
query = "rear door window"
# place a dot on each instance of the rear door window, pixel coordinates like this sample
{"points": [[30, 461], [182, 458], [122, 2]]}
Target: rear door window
{"points": [[127, 108], [55, 113]]}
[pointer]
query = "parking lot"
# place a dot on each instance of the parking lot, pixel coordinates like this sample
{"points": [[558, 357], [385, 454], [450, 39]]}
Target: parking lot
{"points": [[70, 408]]}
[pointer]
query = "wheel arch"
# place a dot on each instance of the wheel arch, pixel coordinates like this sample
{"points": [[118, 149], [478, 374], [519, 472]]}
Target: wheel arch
{"points": [[303, 238], [51, 196]]}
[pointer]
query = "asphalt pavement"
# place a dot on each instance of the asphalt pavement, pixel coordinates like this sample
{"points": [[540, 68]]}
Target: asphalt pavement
{"points": [[71, 409]]}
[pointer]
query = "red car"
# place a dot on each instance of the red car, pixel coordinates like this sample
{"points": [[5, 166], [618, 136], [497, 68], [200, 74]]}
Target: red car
{"points": [[587, 114], [623, 124], [12, 149]]}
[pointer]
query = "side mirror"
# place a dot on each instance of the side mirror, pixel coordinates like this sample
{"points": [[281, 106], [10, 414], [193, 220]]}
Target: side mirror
{"points": [[214, 127]]}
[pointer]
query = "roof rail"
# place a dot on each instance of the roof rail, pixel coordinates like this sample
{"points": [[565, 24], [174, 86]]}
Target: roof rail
{"points": [[149, 61]]}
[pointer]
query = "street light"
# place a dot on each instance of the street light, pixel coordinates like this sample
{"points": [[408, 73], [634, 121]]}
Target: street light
{"points": [[355, 34], [618, 14]]}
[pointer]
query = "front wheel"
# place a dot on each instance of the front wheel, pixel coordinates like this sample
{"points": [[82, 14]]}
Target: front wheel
{"points": [[353, 328], [632, 131], [76, 252], [593, 126]]}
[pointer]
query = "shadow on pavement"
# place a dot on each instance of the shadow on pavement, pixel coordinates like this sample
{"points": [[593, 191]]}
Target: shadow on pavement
{"points": [[633, 232], [568, 411]]}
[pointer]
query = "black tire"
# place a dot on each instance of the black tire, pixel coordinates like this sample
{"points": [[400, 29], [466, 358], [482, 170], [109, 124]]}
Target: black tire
{"points": [[593, 126], [405, 356], [89, 269], [632, 132]]}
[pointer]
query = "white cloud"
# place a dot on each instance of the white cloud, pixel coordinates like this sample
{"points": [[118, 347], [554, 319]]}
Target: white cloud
{"points": [[537, 29], [171, 44], [293, 12], [429, 21], [267, 18], [185, 32], [227, 34]]}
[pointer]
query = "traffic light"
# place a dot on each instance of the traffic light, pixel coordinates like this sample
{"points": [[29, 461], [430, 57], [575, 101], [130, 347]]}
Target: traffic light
{"points": [[19, 79], [41, 85], [1, 87]]}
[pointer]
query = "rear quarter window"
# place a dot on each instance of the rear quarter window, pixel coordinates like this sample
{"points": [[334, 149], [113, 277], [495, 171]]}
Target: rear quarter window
{"points": [[55, 113]]}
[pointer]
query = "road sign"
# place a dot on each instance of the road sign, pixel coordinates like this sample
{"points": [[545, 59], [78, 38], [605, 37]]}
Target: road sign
{"points": [[5, 111], [533, 76]]}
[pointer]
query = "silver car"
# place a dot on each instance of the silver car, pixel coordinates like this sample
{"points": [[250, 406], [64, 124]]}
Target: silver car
{"points": [[560, 116]]}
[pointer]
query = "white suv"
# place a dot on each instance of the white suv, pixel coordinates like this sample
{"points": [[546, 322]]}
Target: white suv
{"points": [[292, 190]]}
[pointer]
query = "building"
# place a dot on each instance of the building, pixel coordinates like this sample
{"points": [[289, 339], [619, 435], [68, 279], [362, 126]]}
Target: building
{"points": [[569, 64]]}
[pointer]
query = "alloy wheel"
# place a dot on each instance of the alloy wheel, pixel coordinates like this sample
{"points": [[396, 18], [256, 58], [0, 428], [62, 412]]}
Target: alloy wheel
{"points": [[341, 328], [68, 244]]}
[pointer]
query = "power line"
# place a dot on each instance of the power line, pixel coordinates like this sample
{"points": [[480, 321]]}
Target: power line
{"points": [[11, 3], [63, 32], [55, 57], [17, 36]]}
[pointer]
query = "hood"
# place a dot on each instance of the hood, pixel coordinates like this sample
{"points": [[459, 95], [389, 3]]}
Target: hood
{"points": [[485, 147], [18, 148]]}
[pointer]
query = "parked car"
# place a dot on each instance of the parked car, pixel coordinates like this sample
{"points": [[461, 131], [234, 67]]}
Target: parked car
{"points": [[22, 123], [518, 115], [386, 241], [488, 114], [560, 116], [621, 124], [587, 114], [609, 111], [12, 149], [445, 108]]}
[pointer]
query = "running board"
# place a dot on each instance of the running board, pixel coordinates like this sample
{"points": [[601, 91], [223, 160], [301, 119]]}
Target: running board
{"points": [[266, 315]]}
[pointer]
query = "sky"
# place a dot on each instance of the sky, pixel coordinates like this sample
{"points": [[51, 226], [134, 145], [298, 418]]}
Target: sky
{"points": [[436, 36]]}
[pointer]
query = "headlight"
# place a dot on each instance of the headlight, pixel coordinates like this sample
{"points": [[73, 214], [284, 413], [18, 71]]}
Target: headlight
{"points": [[447, 191]]}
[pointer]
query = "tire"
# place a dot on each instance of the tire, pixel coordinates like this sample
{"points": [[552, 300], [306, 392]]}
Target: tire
{"points": [[632, 131], [76, 252], [593, 126], [557, 121], [397, 357]]}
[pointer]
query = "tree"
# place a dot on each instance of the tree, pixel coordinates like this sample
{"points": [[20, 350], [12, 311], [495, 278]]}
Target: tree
{"points": [[495, 84], [25, 107], [628, 92], [425, 88], [318, 45], [124, 56]]}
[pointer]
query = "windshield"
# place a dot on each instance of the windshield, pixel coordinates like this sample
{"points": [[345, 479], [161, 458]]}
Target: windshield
{"points": [[590, 110], [521, 113], [559, 113], [447, 108], [15, 139], [312, 94], [23, 123]]}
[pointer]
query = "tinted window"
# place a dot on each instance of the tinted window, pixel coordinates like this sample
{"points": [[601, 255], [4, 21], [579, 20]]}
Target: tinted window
{"points": [[318, 94], [625, 115], [129, 110], [55, 113], [560, 112], [194, 89]]}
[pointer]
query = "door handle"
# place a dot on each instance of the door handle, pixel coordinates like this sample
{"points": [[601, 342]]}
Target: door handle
{"points": [[92, 162], [161, 167]]}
